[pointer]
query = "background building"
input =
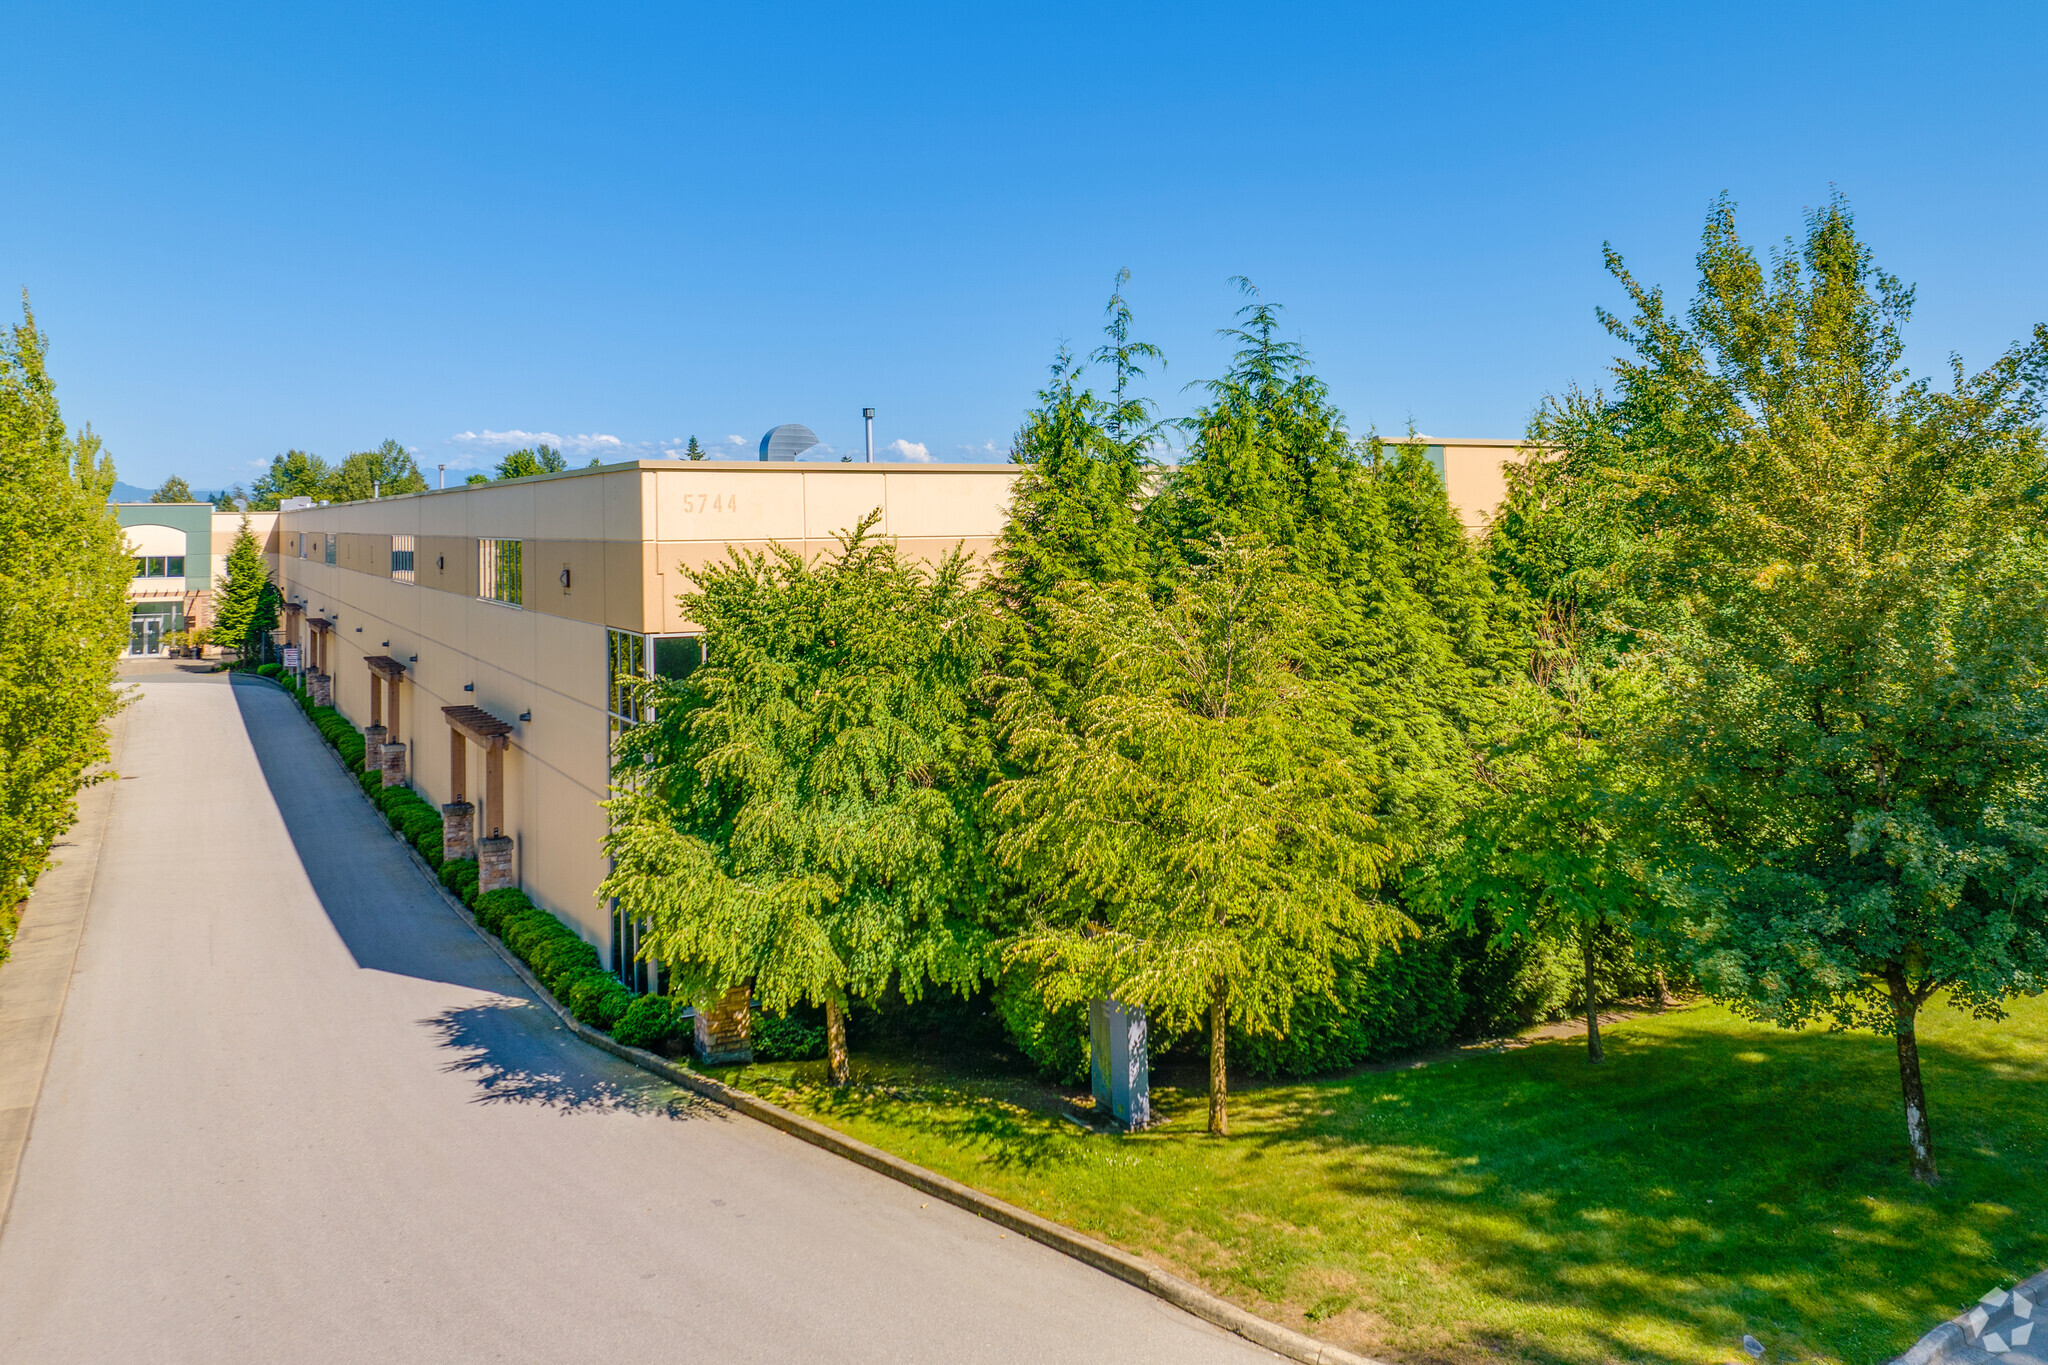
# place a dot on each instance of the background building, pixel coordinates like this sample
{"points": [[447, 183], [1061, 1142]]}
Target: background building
{"points": [[180, 551]]}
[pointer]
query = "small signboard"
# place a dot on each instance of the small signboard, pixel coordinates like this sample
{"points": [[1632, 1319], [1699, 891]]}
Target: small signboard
{"points": [[291, 657]]}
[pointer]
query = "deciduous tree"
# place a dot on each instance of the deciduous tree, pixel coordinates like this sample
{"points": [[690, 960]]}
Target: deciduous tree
{"points": [[173, 489], [543, 459], [294, 474], [387, 471], [1854, 591], [64, 572]]}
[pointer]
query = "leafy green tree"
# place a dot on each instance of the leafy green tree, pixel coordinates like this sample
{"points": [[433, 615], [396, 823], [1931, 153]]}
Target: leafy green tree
{"points": [[245, 603], [173, 489], [544, 459], [693, 451], [64, 573], [386, 472], [1850, 574], [1557, 845], [802, 812], [477, 479], [1194, 831], [294, 474]]}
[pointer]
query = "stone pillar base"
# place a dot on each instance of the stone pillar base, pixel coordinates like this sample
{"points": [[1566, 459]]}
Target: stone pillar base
{"points": [[493, 864], [725, 1029], [373, 748], [458, 831], [394, 764], [323, 689]]}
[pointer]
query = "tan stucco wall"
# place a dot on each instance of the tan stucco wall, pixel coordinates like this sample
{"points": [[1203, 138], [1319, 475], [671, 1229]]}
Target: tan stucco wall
{"points": [[1475, 478], [623, 532]]}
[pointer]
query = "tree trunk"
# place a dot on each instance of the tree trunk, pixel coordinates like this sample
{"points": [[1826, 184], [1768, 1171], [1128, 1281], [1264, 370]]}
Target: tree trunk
{"points": [[1594, 1056], [836, 1067], [1219, 1084], [1919, 1137]]}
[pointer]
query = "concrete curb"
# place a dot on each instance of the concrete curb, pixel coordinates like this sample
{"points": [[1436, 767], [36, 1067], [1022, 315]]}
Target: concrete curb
{"points": [[1190, 1298], [1952, 1340]]}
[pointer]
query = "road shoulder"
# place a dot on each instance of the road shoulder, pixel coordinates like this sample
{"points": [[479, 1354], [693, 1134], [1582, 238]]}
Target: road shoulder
{"points": [[36, 978]]}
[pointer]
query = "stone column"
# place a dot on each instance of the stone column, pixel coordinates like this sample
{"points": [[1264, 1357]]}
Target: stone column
{"points": [[724, 1029], [323, 690], [493, 864], [458, 831], [394, 764], [373, 748]]}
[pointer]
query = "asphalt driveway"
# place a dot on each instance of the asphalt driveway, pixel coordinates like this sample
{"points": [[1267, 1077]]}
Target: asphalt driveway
{"points": [[297, 1111]]}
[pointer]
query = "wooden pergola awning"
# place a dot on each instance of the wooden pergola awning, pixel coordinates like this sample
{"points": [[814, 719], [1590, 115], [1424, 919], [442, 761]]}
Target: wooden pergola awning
{"points": [[320, 624], [388, 667], [294, 608], [478, 724]]}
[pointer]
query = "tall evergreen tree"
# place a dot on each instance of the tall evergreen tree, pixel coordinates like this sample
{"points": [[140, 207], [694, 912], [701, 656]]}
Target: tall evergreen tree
{"points": [[239, 602], [64, 574], [1191, 826], [803, 810], [693, 451], [173, 489]]}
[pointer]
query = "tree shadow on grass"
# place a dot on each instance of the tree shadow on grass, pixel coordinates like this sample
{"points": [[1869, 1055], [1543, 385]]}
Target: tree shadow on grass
{"points": [[997, 1133], [510, 1050], [1719, 1180]]}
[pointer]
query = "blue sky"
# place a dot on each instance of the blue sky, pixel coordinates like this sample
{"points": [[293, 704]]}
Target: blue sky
{"points": [[251, 228]]}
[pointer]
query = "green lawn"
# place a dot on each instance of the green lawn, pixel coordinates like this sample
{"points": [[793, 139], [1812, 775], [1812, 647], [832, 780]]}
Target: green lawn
{"points": [[1714, 1178]]}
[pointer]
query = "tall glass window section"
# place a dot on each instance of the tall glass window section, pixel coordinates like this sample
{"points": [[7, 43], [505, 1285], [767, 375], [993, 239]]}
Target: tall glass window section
{"points": [[401, 558], [629, 656], [499, 578]]}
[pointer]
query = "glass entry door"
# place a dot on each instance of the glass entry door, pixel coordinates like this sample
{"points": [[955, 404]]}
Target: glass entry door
{"points": [[145, 634]]}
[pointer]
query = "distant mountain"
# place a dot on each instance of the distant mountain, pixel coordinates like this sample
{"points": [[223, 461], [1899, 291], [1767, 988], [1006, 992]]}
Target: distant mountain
{"points": [[128, 492]]}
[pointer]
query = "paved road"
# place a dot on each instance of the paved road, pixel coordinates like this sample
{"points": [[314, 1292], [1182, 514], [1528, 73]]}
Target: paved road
{"points": [[297, 1111]]}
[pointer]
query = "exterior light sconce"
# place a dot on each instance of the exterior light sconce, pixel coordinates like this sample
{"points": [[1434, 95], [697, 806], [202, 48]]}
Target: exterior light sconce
{"points": [[359, 630], [526, 715], [414, 659], [385, 645], [565, 578], [440, 561], [469, 687]]}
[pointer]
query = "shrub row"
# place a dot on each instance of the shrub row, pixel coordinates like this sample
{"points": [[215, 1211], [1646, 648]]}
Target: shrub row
{"points": [[565, 964]]}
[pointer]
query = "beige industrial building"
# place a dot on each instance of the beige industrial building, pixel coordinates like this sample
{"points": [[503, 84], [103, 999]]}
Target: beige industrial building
{"points": [[483, 626]]}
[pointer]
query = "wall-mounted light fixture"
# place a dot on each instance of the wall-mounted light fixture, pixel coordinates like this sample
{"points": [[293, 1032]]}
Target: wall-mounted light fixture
{"points": [[414, 659], [359, 630], [526, 715], [565, 578], [385, 645], [469, 687], [440, 561]]}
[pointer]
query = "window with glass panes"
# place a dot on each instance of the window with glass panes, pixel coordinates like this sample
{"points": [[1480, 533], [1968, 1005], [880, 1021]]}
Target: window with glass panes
{"points": [[401, 558], [499, 578], [630, 656]]}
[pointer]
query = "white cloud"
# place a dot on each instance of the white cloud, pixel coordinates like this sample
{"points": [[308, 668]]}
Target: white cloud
{"points": [[987, 450], [514, 439], [914, 451]]}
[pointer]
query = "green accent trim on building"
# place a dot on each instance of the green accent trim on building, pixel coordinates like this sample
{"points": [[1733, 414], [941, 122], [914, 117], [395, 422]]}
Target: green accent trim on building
{"points": [[195, 519]]}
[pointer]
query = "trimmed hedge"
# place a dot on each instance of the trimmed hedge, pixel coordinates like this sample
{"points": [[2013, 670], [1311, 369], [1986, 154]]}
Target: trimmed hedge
{"points": [[269, 670], [565, 964]]}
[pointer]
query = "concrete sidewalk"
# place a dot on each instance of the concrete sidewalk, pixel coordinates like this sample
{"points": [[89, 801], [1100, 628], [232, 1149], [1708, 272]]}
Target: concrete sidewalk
{"points": [[297, 1110]]}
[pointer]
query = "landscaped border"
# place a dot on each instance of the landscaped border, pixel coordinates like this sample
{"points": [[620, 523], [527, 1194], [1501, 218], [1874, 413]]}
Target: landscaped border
{"points": [[1190, 1298]]}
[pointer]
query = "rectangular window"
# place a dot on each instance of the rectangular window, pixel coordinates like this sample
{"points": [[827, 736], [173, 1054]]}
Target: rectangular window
{"points": [[401, 558], [498, 575], [174, 566], [675, 656], [141, 567], [330, 547], [625, 658], [152, 566], [302, 545]]}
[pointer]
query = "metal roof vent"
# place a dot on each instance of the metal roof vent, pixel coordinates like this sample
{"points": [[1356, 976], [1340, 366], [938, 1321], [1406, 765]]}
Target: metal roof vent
{"points": [[787, 441]]}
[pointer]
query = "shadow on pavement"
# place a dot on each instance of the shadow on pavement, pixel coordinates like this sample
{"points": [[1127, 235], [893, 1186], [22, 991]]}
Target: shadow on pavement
{"points": [[389, 918], [496, 1038]]}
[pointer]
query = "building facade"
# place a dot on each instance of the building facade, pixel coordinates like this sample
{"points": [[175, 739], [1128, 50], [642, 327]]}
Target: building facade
{"points": [[180, 551], [479, 634]]}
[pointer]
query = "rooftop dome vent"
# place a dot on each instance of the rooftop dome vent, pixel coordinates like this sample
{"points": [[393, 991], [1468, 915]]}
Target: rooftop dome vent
{"points": [[787, 441]]}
